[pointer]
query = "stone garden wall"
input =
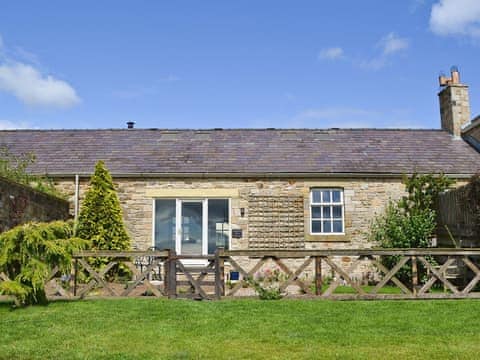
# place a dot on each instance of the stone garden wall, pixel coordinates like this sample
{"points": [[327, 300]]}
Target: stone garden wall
{"points": [[20, 204]]}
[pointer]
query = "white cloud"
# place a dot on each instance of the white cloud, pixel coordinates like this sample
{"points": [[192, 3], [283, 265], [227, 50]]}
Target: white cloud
{"points": [[389, 45], [22, 77], [10, 125], [456, 17], [333, 53], [392, 43], [33, 88], [25, 55]]}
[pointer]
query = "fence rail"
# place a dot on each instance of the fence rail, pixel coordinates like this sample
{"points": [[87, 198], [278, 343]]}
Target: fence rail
{"points": [[322, 274]]}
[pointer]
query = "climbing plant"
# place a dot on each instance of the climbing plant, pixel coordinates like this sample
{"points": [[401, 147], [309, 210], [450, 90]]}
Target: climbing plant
{"points": [[411, 221], [29, 253]]}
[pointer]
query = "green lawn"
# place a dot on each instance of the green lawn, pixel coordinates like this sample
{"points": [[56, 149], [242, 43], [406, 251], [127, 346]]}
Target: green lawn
{"points": [[249, 329]]}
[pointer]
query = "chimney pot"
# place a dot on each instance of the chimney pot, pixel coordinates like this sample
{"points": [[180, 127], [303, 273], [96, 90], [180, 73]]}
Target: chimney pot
{"points": [[130, 124], [455, 75]]}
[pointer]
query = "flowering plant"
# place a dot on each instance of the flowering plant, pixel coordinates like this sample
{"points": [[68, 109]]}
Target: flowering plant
{"points": [[266, 283]]}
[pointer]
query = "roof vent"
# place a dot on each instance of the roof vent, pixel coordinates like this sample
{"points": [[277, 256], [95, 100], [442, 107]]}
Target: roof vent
{"points": [[130, 124]]}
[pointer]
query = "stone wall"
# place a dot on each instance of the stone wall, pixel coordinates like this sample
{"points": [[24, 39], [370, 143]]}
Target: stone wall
{"points": [[20, 204], [363, 197]]}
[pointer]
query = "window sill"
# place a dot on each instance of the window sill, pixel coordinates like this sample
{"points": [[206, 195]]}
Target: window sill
{"points": [[327, 238]]}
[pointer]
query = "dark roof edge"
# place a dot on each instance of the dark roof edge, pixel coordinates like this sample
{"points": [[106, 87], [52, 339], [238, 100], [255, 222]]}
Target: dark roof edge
{"points": [[473, 124], [472, 141], [254, 175]]}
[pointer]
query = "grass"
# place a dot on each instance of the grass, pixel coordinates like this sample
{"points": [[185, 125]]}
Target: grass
{"points": [[243, 329], [347, 289], [342, 289]]}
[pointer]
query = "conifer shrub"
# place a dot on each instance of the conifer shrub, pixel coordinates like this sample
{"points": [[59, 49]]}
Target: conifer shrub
{"points": [[100, 221], [29, 253]]}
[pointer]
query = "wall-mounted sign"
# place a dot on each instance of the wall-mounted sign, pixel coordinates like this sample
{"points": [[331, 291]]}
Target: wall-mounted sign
{"points": [[237, 233]]}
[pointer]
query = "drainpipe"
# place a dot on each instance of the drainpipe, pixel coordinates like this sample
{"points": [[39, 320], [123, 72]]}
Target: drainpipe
{"points": [[77, 191]]}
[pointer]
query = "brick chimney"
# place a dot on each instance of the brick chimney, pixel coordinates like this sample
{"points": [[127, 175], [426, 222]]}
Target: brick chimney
{"points": [[454, 103]]}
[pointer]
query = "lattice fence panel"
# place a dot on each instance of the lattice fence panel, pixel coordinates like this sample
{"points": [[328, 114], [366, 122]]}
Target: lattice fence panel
{"points": [[276, 222]]}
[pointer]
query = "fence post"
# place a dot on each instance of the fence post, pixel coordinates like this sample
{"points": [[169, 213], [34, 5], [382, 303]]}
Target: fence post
{"points": [[171, 274], [318, 275], [219, 274], [75, 271], [414, 275]]}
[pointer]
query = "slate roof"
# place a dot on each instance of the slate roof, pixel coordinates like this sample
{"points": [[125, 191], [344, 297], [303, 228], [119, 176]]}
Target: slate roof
{"points": [[244, 151]]}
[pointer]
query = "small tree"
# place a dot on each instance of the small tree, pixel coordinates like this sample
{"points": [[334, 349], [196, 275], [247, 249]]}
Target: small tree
{"points": [[101, 220], [29, 253], [411, 221]]}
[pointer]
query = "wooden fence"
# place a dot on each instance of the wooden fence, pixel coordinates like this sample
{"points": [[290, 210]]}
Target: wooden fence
{"points": [[322, 274], [456, 218]]}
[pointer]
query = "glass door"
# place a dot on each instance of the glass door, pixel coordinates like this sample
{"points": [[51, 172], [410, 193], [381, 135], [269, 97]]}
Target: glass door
{"points": [[192, 228]]}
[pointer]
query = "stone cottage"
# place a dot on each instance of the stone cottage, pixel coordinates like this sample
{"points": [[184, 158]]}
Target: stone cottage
{"points": [[195, 190]]}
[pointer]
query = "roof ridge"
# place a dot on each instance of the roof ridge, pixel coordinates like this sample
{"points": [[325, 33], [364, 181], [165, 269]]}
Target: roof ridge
{"points": [[222, 129]]}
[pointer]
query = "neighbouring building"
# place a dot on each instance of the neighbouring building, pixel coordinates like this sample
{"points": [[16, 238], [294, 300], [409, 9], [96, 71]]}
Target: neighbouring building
{"points": [[195, 190]]}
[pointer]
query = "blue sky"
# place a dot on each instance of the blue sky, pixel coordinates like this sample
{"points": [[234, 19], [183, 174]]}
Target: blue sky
{"points": [[205, 64]]}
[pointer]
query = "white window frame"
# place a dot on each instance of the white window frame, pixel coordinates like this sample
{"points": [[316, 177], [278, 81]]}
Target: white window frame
{"points": [[178, 217], [322, 204]]}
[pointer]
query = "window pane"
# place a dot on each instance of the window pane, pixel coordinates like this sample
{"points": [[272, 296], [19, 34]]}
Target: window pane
{"points": [[336, 196], [192, 228], [218, 226], [337, 226], [327, 226], [165, 224], [337, 212], [316, 226], [316, 211], [326, 196], [326, 212], [316, 196]]}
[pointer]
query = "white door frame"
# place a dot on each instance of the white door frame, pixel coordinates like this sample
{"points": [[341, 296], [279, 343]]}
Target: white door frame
{"points": [[178, 225]]}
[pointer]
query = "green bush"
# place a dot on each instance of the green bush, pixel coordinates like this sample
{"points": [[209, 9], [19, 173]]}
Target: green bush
{"points": [[29, 253], [423, 191], [411, 221], [400, 229], [101, 220]]}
